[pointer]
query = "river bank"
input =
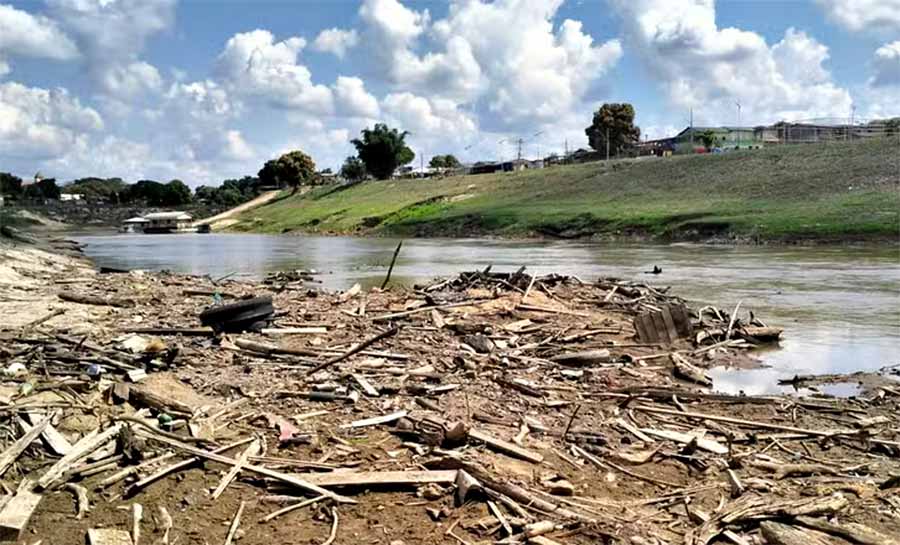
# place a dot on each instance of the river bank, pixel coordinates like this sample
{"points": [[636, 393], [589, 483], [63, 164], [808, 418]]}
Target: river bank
{"points": [[480, 405], [816, 193]]}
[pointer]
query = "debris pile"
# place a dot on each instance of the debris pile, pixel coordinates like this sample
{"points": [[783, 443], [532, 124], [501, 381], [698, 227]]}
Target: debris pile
{"points": [[485, 408]]}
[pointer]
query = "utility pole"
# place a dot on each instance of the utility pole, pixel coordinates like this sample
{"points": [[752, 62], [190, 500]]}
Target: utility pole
{"points": [[692, 130], [852, 114], [519, 143], [422, 163], [566, 147], [607, 143], [737, 142]]}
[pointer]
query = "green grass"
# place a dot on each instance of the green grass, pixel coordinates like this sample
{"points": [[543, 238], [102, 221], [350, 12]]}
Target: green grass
{"points": [[834, 191]]}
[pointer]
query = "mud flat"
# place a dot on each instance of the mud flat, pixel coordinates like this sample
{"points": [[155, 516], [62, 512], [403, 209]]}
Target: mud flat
{"points": [[483, 408]]}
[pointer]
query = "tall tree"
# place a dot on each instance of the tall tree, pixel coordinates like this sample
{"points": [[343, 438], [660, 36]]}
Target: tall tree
{"points": [[176, 193], [444, 161], [293, 169], [617, 121], [382, 150], [10, 185], [43, 190], [353, 170]]}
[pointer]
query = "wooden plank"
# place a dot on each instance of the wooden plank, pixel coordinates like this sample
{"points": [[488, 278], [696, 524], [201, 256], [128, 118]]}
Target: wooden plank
{"points": [[685, 438], [367, 478], [252, 450], [670, 323], [56, 441], [108, 536], [376, 420], [88, 444], [682, 320], [16, 513], [11, 454], [294, 330], [506, 447], [649, 329], [659, 325], [366, 386]]}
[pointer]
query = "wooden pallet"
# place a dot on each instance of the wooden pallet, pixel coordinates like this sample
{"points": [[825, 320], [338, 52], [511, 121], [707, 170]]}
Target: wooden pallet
{"points": [[664, 326]]}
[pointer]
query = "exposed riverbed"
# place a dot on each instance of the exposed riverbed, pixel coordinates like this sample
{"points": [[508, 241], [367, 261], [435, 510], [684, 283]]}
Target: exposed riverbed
{"points": [[840, 306]]}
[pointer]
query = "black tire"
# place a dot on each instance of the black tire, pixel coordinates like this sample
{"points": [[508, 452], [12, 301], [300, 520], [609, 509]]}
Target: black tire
{"points": [[238, 316]]}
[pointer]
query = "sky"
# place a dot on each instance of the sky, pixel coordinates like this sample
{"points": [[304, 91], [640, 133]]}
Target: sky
{"points": [[204, 90]]}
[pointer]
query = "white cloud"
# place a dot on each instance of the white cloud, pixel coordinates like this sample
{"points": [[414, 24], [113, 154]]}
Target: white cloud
{"points": [[864, 15], [130, 80], [353, 100], [203, 101], [254, 64], [528, 72], [425, 117], [336, 41], [708, 68], [886, 65], [24, 34], [112, 34], [39, 123], [236, 148]]}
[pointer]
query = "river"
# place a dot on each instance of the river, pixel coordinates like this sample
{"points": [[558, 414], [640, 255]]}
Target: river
{"points": [[839, 305]]}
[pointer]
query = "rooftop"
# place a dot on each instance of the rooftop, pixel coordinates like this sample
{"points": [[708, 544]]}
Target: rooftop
{"points": [[168, 216]]}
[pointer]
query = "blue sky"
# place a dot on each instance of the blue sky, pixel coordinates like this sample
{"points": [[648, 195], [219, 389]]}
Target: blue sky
{"points": [[203, 90]]}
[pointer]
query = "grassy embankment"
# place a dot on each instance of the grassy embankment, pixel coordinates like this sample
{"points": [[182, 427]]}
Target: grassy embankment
{"points": [[837, 191]]}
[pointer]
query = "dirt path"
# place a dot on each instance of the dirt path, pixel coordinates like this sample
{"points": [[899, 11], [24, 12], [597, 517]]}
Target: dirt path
{"points": [[220, 221]]}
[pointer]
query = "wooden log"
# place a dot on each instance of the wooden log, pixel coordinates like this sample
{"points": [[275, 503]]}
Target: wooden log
{"points": [[183, 331], [293, 331], [855, 532], [685, 438], [11, 454], [776, 533], [83, 299], [506, 447], [14, 516], [166, 470], [586, 357], [688, 371], [139, 395], [374, 478], [264, 348]]}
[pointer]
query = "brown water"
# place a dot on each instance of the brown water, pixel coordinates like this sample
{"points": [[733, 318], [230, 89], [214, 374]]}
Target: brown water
{"points": [[840, 306]]}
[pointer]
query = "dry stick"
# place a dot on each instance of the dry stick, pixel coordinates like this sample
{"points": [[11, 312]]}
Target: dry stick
{"points": [[334, 524], [260, 470], [9, 456], [733, 318], [358, 348], [391, 268], [527, 291], [44, 318], [234, 524], [571, 420], [172, 468], [293, 507], [166, 522], [252, 450]]}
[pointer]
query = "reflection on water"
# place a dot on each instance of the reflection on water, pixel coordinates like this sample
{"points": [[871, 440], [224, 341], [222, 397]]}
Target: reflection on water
{"points": [[840, 306]]}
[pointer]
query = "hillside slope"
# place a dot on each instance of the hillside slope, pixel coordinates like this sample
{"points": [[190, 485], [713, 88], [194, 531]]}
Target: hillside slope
{"points": [[830, 192]]}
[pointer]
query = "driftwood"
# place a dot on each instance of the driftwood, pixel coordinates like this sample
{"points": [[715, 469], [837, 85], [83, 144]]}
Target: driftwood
{"points": [[857, 533], [776, 533], [252, 450], [372, 478], [11, 454], [358, 348], [16, 513], [88, 444], [506, 447], [235, 522], [688, 371], [94, 300]]}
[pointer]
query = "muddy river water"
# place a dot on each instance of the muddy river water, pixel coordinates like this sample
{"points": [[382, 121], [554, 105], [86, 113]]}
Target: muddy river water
{"points": [[839, 305]]}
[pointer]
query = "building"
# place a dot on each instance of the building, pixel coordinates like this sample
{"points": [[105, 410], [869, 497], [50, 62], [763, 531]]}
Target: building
{"points": [[70, 197], [168, 222], [134, 225], [724, 138]]}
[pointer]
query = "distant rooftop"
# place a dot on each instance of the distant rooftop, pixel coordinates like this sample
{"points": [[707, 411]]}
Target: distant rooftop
{"points": [[168, 216]]}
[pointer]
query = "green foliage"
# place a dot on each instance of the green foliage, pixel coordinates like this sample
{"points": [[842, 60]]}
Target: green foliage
{"points": [[707, 138], [176, 193], [10, 185], [292, 169], [892, 126], [231, 193], [42, 190], [616, 120], [444, 161], [353, 170], [382, 150], [109, 189]]}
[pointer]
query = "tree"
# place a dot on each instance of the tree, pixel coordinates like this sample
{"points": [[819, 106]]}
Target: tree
{"points": [[444, 161], [891, 126], [149, 191], [707, 138], [43, 190], [108, 189], [617, 121], [382, 150], [353, 170], [10, 185], [176, 193], [294, 169]]}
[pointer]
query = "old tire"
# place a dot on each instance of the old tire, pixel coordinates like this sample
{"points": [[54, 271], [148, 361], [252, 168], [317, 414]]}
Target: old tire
{"points": [[238, 316]]}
